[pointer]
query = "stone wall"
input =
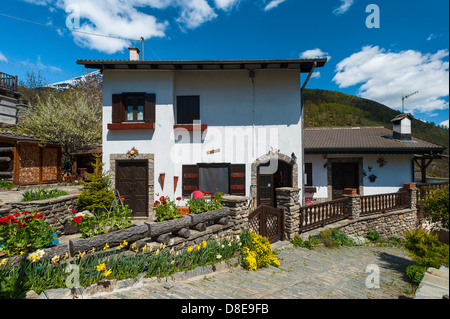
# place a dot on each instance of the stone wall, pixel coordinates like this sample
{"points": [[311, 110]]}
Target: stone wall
{"points": [[239, 212], [60, 207]]}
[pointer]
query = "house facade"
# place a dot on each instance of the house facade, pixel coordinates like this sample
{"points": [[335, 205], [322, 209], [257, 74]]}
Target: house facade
{"points": [[170, 127], [374, 160]]}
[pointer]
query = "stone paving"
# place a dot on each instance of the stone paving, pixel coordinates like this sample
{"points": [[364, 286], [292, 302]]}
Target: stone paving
{"points": [[323, 273]]}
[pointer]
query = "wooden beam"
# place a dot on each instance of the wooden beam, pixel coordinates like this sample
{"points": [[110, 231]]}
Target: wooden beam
{"points": [[6, 149], [5, 159], [6, 174]]}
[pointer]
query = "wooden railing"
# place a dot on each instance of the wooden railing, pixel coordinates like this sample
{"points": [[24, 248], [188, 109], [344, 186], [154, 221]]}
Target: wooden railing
{"points": [[322, 213], [8, 82], [424, 189], [383, 202]]}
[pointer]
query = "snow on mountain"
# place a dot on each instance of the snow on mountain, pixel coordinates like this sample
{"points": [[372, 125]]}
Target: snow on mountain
{"points": [[67, 84]]}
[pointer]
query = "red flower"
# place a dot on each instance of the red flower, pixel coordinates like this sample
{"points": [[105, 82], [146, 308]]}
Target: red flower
{"points": [[212, 197], [178, 198], [74, 211], [56, 217], [122, 197], [156, 203], [16, 214], [4, 220], [78, 219], [25, 212]]}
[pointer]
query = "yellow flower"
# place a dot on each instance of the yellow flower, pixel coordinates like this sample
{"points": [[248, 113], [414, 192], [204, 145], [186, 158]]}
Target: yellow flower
{"points": [[106, 246], [81, 255], [92, 250], [55, 259], [66, 255], [125, 243], [107, 273], [133, 245], [22, 252], [189, 249], [157, 252], [101, 267], [3, 261], [144, 248], [198, 247], [203, 244]]}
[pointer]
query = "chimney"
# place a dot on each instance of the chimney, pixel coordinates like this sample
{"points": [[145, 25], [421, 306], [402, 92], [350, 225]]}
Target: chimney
{"points": [[402, 126], [134, 54]]}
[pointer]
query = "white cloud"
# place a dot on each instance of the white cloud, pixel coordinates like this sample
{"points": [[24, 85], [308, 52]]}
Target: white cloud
{"points": [[3, 58], [314, 53], [225, 4], [273, 4], [444, 123], [433, 36], [343, 8], [387, 76], [40, 65], [195, 12]]}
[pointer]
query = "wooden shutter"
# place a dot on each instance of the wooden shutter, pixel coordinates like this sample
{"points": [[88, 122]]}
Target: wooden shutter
{"points": [[188, 109], [237, 179], [117, 108], [308, 173], [189, 179], [149, 108]]}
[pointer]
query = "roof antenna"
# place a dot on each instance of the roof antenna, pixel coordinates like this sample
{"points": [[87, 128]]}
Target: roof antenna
{"points": [[142, 40], [404, 97]]}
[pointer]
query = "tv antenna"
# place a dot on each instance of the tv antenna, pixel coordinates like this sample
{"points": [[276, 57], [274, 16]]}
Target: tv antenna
{"points": [[404, 97]]}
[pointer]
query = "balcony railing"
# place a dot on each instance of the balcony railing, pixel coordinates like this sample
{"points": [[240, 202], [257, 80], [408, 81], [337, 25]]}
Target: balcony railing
{"points": [[8, 82]]}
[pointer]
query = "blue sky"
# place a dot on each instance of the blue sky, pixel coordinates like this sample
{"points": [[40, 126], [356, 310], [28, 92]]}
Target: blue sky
{"points": [[408, 52]]}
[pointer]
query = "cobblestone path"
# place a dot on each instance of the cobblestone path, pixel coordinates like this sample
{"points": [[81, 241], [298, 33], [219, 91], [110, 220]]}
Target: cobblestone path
{"points": [[322, 273]]}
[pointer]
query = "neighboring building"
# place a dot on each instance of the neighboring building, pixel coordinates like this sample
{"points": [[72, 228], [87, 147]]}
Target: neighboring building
{"points": [[170, 127], [374, 160], [12, 106]]}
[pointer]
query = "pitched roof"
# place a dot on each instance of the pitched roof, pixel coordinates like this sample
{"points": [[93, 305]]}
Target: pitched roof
{"points": [[401, 116], [304, 65], [376, 139]]}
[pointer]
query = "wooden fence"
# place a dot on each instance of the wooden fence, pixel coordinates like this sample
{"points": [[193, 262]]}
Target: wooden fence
{"points": [[320, 214], [372, 204], [8, 82], [424, 189]]}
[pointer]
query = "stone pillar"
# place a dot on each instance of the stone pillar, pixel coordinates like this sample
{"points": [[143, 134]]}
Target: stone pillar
{"points": [[412, 191], [288, 199], [239, 212], [353, 203]]}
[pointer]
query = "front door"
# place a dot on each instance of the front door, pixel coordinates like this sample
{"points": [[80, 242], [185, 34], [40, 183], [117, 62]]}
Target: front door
{"points": [[132, 183], [267, 183], [344, 175]]}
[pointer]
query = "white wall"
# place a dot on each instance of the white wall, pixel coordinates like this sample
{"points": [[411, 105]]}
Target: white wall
{"points": [[390, 178], [244, 119]]}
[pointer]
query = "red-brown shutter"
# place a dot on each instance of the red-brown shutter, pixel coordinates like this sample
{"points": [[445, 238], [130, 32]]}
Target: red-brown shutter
{"points": [[117, 108], [237, 179], [149, 108], [189, 179]]}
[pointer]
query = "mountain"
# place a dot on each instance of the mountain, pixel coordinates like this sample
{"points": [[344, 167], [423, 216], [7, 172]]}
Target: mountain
{"points": [[331, 108], [67, 84]]}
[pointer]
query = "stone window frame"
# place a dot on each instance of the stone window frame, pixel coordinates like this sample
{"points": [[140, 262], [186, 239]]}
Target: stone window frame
{"points": [[151, 170]]}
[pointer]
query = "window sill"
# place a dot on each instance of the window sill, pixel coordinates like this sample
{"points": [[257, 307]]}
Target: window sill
{"points": [[131, 126], [191, 127]]}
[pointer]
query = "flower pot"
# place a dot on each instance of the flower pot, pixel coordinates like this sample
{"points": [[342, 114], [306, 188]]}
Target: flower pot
{"points": [[183, 210], [54, 242]]}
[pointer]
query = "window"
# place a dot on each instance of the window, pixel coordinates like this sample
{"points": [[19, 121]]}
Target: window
{"points": [[308, 174], [213, 178], [134, 106], [188, 109], [133, 111]]}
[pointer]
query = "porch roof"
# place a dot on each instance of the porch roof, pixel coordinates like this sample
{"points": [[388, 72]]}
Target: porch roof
{"points": [[303, 65], [377, 139]]}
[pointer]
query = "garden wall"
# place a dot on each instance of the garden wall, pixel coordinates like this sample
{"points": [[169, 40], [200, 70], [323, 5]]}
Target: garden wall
{"points": [[60, 207]]}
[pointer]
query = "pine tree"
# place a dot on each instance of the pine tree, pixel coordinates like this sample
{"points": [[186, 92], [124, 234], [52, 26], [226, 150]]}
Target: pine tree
{"points": [[96, 193]]}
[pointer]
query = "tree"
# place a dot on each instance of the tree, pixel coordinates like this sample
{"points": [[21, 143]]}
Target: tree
{"points": [[72, 117]]}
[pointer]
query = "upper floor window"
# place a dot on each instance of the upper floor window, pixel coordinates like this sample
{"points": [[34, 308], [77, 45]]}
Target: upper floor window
{"points": [[133, 111], [188, 109]]}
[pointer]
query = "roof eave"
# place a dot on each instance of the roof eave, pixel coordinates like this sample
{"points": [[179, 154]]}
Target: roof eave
{"points": [[384, 150]]}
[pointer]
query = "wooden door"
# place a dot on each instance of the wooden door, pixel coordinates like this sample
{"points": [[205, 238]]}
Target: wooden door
{"points": [[268, 222], [344, 175], [132, 182]]}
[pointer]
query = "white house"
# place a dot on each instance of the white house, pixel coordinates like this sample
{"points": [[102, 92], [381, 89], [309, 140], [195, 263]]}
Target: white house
{"points": [[374, 160], [170, 127]]}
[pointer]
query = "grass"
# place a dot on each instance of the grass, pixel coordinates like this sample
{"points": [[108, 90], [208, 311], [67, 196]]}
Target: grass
{"points": [[6, 184]]}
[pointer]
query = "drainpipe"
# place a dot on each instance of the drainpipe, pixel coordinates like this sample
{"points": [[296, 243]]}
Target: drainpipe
{"points": [[302, 170]]}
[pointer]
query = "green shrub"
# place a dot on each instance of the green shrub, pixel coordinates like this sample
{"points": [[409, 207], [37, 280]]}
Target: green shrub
{"points": [[436, 206], [415, 273], [426, 249], [314, 240], [333, 237], [373, 236]]}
